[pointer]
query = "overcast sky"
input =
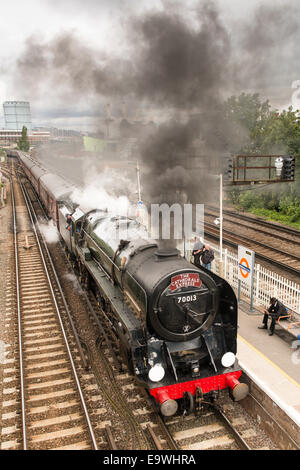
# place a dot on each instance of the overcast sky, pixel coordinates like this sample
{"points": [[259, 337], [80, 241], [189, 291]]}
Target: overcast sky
{"points": [[101, 25]]}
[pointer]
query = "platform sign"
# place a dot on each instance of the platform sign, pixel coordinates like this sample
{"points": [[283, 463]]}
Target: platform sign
{"points": [[246, 264], [246, 261]]}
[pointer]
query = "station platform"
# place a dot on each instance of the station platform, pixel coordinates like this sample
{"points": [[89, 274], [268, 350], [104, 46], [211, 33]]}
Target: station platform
{"points": [[272, 362]]}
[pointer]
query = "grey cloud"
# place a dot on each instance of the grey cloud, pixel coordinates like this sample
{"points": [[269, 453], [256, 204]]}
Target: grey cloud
{"points": [[181, 66], [268, 46]]}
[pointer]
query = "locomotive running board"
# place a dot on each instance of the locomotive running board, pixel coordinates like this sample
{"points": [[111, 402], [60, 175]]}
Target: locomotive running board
{"points": [[115, 297]]}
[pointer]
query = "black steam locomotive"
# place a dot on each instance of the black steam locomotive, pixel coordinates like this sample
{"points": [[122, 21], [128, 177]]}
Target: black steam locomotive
{"points": [[176, 324]]}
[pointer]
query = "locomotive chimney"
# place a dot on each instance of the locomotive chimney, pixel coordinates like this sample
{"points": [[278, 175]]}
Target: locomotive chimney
{"points": [[166, 253]]}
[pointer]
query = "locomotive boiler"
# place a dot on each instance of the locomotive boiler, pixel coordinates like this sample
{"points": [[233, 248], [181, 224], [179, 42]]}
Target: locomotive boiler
{"points": [[176, 324]]}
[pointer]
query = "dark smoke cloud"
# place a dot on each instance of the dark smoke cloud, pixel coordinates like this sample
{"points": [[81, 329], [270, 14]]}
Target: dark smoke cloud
{"points": [[184, 67], [171, 65], [178, 65], [173, 61]]}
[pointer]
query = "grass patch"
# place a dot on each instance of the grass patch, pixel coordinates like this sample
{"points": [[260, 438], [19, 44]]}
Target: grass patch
{"points": [[275, 216]]}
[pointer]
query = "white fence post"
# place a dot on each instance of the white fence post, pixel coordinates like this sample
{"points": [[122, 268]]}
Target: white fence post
{"points": [[257, 283], [225, 263], [267, 283]]}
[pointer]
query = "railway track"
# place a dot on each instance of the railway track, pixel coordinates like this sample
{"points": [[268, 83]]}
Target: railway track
{"points": [[272, 244], [128, 401], [104, 374], [277, 227], [223, 427], [45, 385], [210, 431], [133, 405]]}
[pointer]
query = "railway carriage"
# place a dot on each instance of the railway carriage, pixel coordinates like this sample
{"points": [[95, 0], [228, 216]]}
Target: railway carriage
{"points": [[50, 188]]}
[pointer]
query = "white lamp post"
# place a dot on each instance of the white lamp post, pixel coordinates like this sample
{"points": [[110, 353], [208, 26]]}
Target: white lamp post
{"points": [[219, 221], [221, 218]]}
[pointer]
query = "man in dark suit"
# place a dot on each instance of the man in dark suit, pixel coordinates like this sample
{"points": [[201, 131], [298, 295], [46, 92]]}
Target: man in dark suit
{"points": [[197, 251], [276, 310]]}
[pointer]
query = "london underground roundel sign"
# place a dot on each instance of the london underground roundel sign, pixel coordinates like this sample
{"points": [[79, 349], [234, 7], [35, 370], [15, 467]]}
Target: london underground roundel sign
{"points": [[245, 264], [244, 268]]}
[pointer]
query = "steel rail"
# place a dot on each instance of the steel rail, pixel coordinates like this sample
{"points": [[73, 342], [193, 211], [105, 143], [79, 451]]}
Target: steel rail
{"points": [[172, 442], [61, 325], [102, 331], [269, 260], [221, 415], [240, 441], [154, 437], [266, 223], [22, 391], [260, 230], [82, 356], [255, 242], [111, 441]]}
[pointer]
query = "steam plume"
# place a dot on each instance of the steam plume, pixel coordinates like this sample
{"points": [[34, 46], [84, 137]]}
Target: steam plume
{"points": [[183, 68]]}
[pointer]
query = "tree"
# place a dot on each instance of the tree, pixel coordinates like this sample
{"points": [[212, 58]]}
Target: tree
{"points": [[250, 117], [260, 130], [282, 134], [23, 143], [266, 131]]}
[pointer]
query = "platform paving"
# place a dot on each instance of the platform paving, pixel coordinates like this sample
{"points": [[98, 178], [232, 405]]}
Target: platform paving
{"points": [[273, 362]]}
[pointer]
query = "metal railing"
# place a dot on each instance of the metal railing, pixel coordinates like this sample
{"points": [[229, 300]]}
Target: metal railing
{"points": [[266, 283]]}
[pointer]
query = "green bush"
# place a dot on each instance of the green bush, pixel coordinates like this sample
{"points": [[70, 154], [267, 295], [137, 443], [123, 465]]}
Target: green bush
{"points": [[247, 200], [234, 195], [291, 207], [281, 205]]}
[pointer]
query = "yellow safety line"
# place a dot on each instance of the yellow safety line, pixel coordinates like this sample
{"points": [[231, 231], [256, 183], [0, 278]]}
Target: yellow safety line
{"points": [[269, 361]]}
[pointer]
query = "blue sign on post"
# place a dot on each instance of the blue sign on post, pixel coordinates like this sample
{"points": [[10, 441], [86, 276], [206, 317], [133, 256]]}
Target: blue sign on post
{"points": [[246, 261]]}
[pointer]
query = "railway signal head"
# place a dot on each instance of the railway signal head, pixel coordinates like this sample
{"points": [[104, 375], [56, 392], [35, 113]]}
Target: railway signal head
{"points": [[228, 168], [279, 166], [288, 168]]}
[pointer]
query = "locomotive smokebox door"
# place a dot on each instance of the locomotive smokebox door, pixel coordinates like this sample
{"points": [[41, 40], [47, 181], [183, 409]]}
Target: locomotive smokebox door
{"points": [[185, 307]]}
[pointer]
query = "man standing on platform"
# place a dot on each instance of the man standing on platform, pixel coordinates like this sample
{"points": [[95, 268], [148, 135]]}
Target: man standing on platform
{"points": [[207, 256], [197, 251]]}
